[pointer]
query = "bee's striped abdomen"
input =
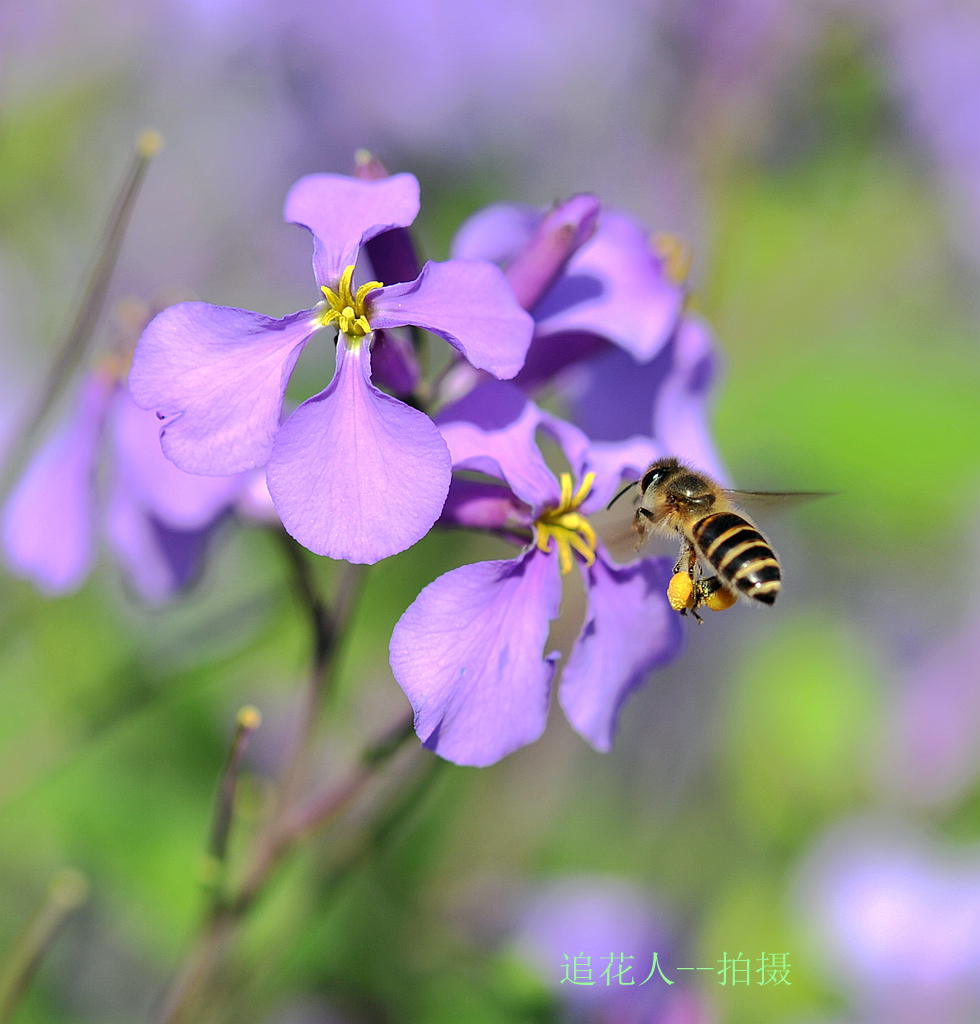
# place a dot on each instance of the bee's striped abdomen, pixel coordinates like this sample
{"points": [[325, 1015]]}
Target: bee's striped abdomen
{"points": [[739, 554]]}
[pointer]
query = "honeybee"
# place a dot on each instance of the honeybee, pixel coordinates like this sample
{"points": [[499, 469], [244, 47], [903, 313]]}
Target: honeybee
{"points": [[674, 499]]}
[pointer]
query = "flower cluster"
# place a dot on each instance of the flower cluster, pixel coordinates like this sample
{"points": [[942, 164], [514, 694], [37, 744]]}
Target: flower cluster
{"points": [[567, 325], [101, 471]]}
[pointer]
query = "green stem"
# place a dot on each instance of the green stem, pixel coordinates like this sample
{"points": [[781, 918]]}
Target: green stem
{"points": [[67, 891], [88, 309]]}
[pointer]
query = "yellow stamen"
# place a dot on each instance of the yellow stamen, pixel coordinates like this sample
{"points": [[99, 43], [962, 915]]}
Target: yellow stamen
{"points": [[570, 530], [346, 309], [676, 255]]}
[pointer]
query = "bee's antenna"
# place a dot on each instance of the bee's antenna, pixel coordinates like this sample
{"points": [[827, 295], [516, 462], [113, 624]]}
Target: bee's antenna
{"points": [[621, 493]]}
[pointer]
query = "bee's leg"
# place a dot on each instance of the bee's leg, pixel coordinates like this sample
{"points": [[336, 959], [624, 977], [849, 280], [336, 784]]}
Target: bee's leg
{"points": [[687, 560], [683, 588], [641, 524], [712, 593]]}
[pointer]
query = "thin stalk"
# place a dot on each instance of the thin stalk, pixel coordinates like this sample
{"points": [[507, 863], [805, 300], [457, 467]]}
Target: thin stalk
{"points": [[328, 627], [67, 891], [246, 722], [89, 308]]}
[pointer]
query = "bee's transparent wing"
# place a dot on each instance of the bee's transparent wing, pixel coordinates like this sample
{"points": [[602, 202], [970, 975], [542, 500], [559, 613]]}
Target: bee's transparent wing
{"points": [[614, 527], [767, 502]]}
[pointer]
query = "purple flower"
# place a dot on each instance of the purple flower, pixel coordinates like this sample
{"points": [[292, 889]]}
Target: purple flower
{"points": [[604, 284], [217, 376], [929, 755], [666, 396], [608, 309], [898, 919], [469, 652], [933, 50], [590, 920], [156, 518]]}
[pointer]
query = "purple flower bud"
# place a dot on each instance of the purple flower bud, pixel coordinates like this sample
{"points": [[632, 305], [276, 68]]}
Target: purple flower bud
{"points": [[554, 240]]}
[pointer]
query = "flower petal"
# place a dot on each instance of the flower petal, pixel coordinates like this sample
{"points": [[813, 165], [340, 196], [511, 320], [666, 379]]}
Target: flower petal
{"points": [[393, 362], [183, 501], [468, 654], [680, 420], [356, 474], [488, 507], [549, 355], [666, 397], [48, 521], [467, 302], [614, 287], [615, 461], [496, 233], [629, 630], [532, 246], [217, 375], [157, 561], [342, 213], [492, 430], [559, 234]]}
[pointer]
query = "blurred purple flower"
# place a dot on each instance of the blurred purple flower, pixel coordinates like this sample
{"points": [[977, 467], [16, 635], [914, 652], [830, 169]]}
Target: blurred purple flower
{"points": [[218, 377], [156, 519], [469, 651], [606, 287], [898, 919], [933, 48], [609, 320], [930, 754], [596, 917]]}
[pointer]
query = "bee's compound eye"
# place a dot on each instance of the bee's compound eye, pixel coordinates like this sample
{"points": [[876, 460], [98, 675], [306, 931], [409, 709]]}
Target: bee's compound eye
{"points": [[653, 477]]}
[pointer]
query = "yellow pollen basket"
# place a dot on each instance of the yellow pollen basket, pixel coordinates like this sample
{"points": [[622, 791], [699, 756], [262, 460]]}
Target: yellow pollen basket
{"points": [[347, 309], [570, 530]]}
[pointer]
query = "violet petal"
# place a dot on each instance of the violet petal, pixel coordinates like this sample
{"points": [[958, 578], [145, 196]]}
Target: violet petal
{"points": [[467, 302], [156, 561], [666, 397], [342, 213], [469, 655], [217, 376], [184, 501], [629, 630], [356, 474], [481, 505], [48, 520], [393, 361], [492, 430], [496, 233], [615, 287], [560, 232]]}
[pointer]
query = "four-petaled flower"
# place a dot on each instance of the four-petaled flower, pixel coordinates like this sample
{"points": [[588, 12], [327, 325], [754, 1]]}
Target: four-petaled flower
{"points": [[217, 377], [469, 651]]}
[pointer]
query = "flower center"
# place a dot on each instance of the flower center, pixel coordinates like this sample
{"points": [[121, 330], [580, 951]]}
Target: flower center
{"points": [[567, 526], [348, 309]]}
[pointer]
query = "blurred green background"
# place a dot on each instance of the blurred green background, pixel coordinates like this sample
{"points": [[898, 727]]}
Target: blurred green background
{"points": [[828, 263]]}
